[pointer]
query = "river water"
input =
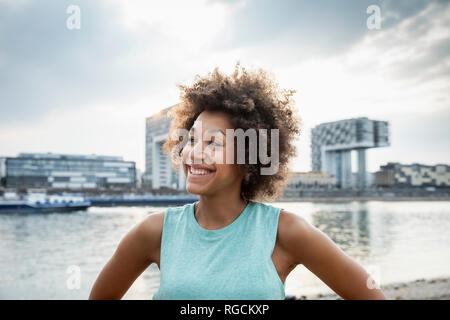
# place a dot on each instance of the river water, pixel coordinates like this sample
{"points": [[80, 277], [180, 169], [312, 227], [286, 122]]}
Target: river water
{"points": [[59, 255]]}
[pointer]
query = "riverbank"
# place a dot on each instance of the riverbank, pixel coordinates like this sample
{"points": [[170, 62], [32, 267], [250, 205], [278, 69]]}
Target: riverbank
{"points": [[420, 289]]}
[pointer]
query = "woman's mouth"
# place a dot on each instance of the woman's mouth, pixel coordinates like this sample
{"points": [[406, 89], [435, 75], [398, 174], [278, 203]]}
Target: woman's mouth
{"points": [[199, 172]]}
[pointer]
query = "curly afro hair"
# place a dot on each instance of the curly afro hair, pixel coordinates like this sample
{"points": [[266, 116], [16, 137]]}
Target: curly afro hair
{"points": [[252, 99]]}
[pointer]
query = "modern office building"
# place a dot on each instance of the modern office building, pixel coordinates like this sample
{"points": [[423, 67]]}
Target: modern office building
{"points": [[48, 170], [333, 142], [158, 170], [395, 174]]}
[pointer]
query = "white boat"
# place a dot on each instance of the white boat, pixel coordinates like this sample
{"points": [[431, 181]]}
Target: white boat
{"points": [[41, 202]]}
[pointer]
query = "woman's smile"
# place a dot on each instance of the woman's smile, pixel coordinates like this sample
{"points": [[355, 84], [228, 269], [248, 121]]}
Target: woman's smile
{"points": [[199, 172]]}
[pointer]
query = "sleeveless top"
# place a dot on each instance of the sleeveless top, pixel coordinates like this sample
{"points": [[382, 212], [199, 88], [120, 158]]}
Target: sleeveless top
{"points": [[234, 262]]}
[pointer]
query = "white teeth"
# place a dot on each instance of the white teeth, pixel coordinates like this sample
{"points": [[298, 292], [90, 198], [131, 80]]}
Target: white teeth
{"points": [[199, 171]]}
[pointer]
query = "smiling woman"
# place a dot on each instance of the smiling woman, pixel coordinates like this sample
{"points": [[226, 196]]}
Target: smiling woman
{"points": [[246, 101], [229, 244]]}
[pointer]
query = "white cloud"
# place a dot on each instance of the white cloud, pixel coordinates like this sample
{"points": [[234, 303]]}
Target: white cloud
{"points": [[193, 23]]}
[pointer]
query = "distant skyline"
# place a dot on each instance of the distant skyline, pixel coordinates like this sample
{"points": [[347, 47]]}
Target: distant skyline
{"points": [[89, 91]]}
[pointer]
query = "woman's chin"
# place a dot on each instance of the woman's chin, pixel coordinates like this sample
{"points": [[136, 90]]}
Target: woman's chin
{"points": [[195, 189]]}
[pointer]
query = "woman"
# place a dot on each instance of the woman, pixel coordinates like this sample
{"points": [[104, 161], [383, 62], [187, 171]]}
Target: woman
{"points": [[230, 245]]}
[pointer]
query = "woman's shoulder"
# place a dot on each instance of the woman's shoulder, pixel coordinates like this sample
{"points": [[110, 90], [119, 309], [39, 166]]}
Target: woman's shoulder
{"points": [[292, 228], [263, 206], [150, 228], [285, 217], [155, 221], [288, 218]]}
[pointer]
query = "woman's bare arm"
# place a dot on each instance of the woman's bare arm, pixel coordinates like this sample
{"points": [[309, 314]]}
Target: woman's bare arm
{"points": [[309, 246], [135, 252]]}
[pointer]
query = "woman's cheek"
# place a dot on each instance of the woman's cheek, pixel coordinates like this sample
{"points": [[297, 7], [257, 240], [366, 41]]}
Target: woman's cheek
{"points": [[223, 155], [219, 156]]}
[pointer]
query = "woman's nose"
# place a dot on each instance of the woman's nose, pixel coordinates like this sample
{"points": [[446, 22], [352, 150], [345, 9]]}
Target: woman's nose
{"points": [[196, 151], [198, 154]]}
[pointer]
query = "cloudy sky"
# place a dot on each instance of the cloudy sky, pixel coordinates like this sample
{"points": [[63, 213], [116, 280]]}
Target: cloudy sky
{"points": [[89, 90]]}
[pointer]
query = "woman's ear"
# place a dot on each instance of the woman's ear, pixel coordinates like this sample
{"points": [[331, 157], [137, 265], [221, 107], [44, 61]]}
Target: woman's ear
{"points": [[181, 147]]}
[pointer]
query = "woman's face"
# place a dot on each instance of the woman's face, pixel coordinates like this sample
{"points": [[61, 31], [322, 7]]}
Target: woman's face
{"points": [[204, 156]]}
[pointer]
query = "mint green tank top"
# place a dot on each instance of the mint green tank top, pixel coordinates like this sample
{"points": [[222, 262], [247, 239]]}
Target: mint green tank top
{"points": [[231, 263]]}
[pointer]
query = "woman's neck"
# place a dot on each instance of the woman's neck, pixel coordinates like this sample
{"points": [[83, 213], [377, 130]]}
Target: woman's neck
{"points": [[217, 211]]}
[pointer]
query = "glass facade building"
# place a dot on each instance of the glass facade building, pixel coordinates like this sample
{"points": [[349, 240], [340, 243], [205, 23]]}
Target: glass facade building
{"points": [[333, 142], [47, 170]]}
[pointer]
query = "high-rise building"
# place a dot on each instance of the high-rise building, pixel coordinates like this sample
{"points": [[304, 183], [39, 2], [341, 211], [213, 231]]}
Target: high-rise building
{"points": [[158, 170], [48, 170], [332, 143]]}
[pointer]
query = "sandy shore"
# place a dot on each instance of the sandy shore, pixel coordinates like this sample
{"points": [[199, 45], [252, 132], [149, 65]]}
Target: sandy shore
{"points": [[421, 289]]}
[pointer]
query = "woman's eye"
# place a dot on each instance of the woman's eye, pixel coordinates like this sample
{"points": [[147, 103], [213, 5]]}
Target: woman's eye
{"points": [[211, 141], [192, 142]]}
